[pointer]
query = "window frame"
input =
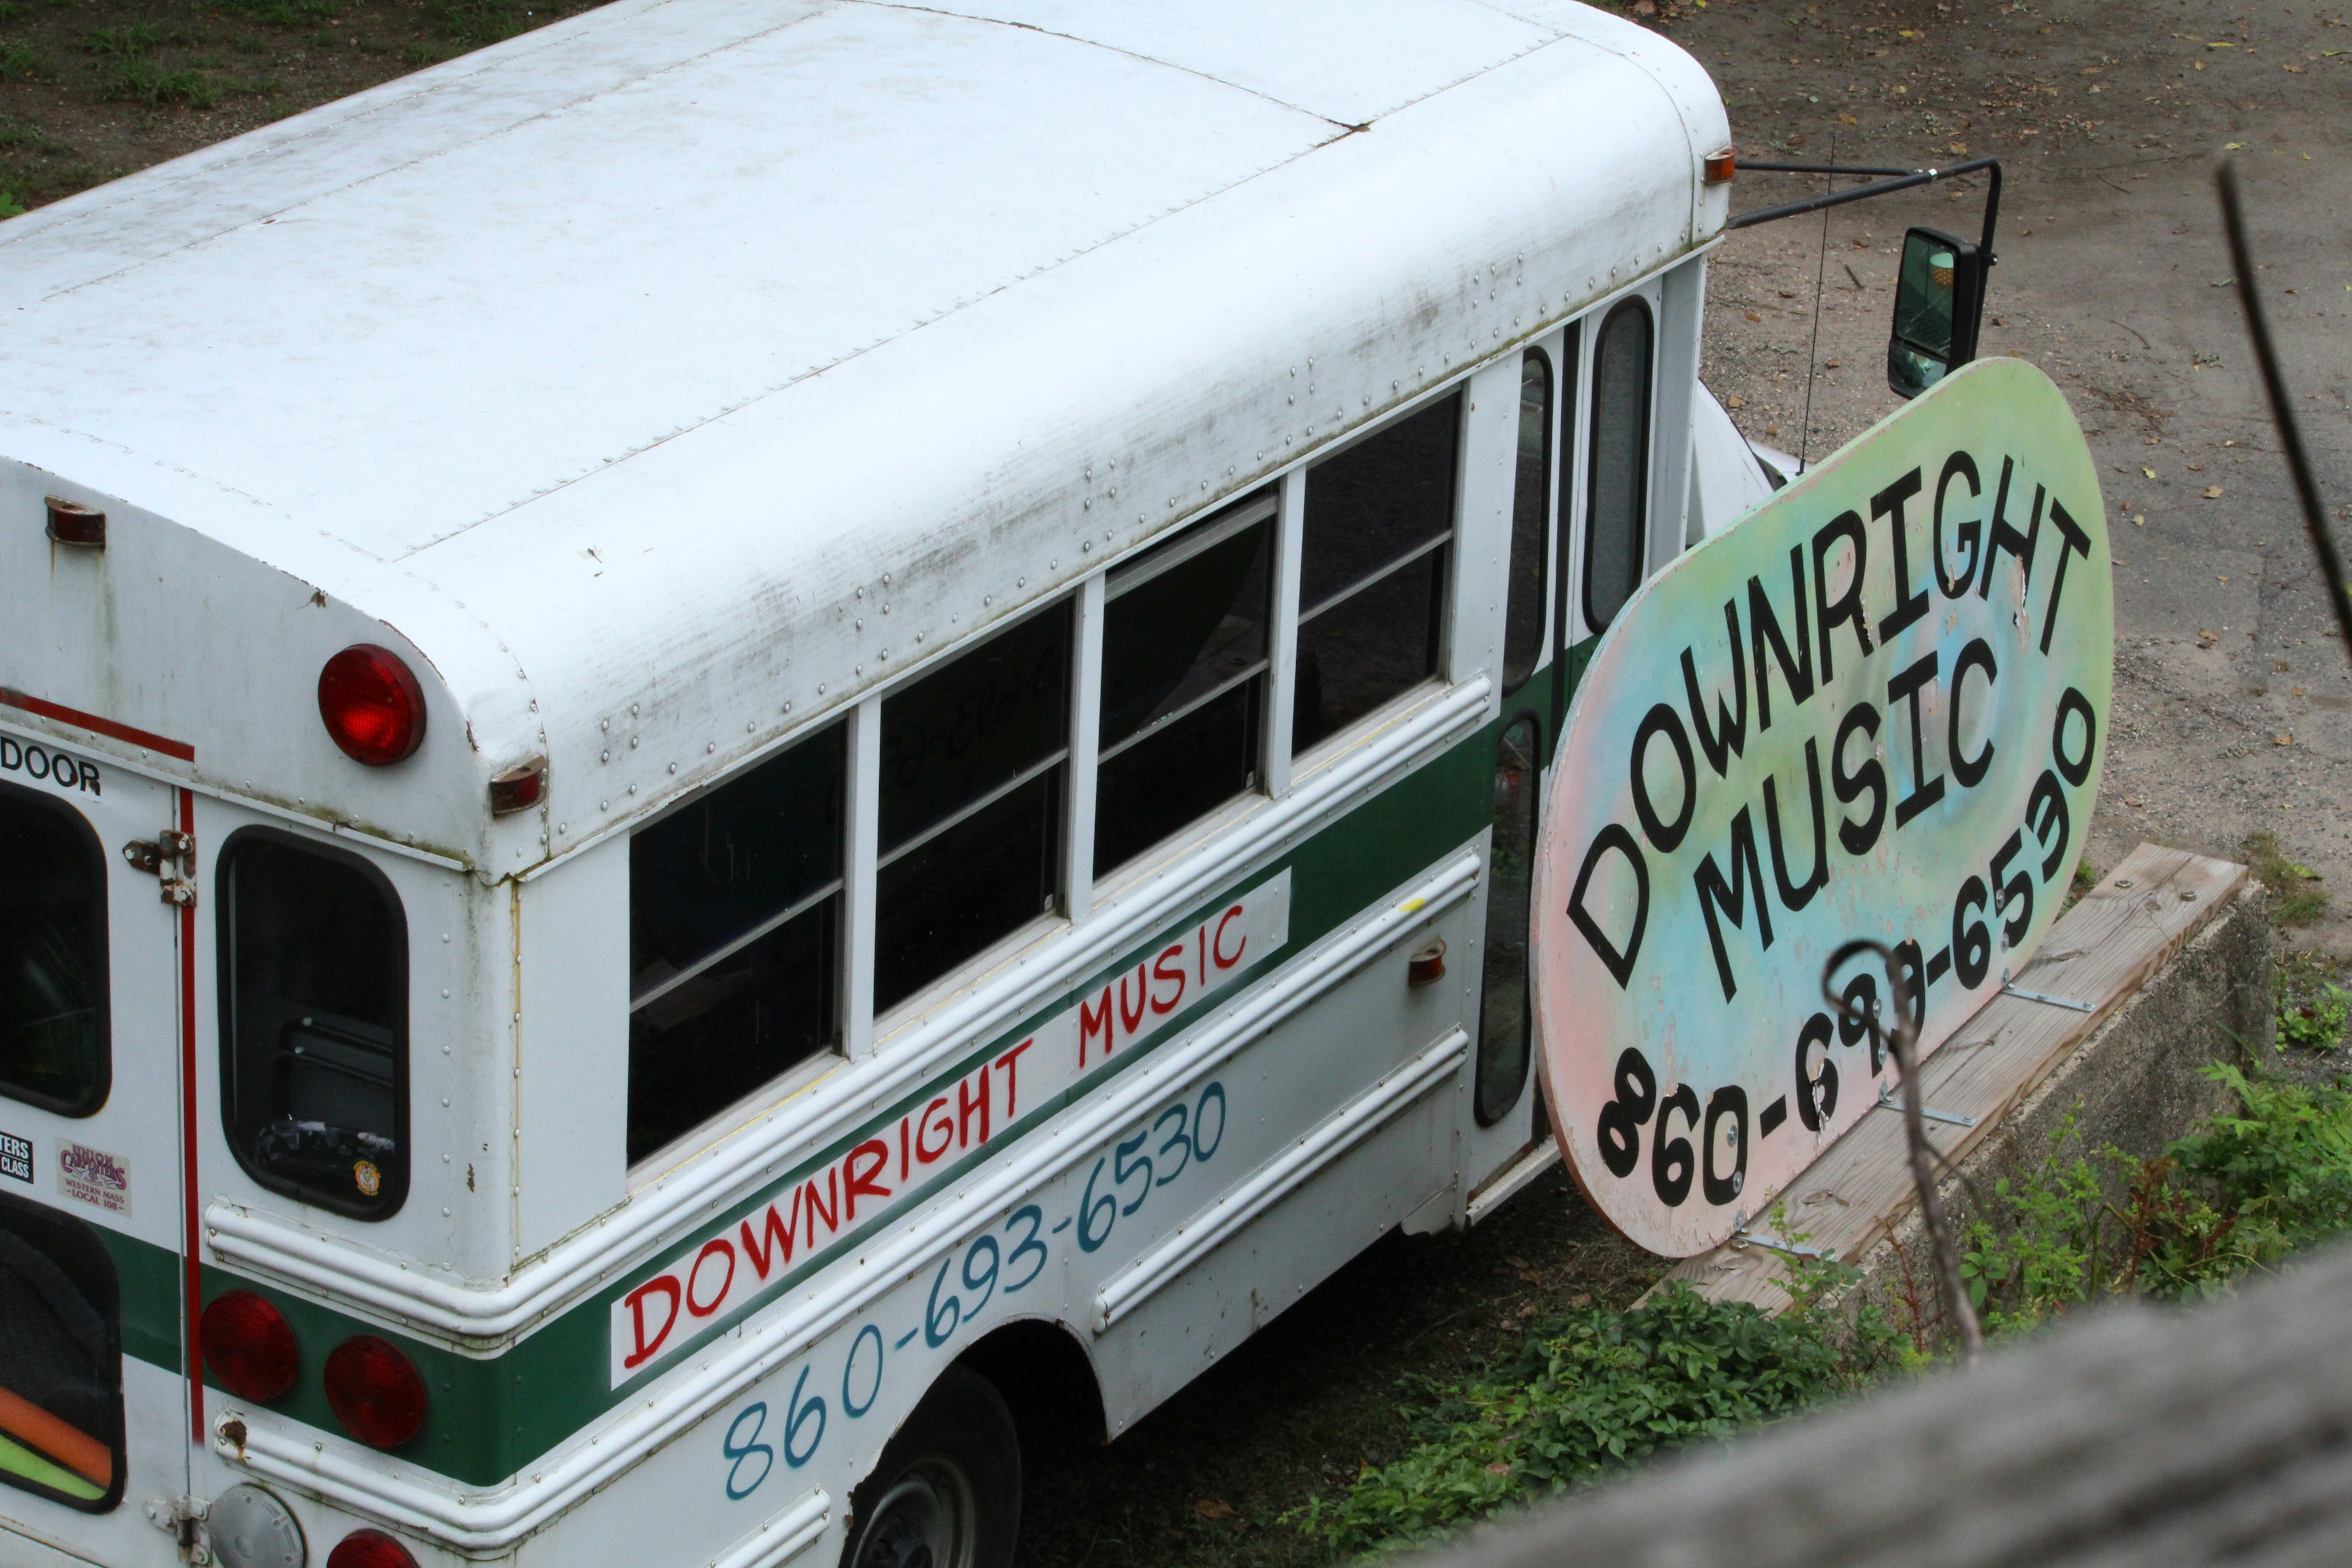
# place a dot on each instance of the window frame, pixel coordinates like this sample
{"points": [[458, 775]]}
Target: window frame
{"points": [[1549, 351], [100, 868], [397, 1182], [98, 1261], [863, 1027], [1291, 615], [1640, 301], [801, 1073]]}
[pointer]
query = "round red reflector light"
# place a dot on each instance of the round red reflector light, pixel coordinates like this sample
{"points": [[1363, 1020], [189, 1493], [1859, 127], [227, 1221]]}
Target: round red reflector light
{"points": [[368, 1549], [375, 1392], [249, 1348], [372, 705]]}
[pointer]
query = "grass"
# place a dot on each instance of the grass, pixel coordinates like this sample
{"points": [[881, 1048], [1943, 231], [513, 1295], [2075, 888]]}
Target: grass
{"points": [[2295, 902], [132, 69], [1592, 1392], [24, 62], [2313, 1009]]}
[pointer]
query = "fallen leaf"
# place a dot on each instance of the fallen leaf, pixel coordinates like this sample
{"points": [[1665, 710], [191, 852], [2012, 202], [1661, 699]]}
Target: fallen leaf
{"points": [[2282, 740], [1516, 1262], [1210, 1507], [1848, 120], [1734, 401], [1751, 315], [1957, 146], [1498, 1468], [2233, 146], [2298, 691], [2139, 519], [1580, 1300], [2223, 45], [2150, 472], [2213, 492], [1832, 364]]}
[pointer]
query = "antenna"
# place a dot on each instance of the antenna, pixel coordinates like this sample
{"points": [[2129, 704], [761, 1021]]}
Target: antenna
{"points": [[1813, 349]]}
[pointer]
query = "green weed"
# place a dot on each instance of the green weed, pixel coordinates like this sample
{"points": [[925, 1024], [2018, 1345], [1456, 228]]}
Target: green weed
{"points": [[2312, 1008], [2297, 902], [280, 13], [24, 62], [1594, 1391], [477, 22]]}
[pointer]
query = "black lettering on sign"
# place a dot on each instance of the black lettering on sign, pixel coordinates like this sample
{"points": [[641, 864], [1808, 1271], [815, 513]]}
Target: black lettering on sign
{"points": [[1730, 1102], [1728, 737], [1764, 628], [1792, 897], [2046, 815], [1969, 771], [1672, 1162], [2005, 536], [2077, 543], [1623, 1118], [1731, 898], [1960, 465], [1871, 778], [2077, 772], [1662, 719], [1924, 792], [1817, 1088], [1846, 609], [1619, 963], [1909, 605], [59, 768]]}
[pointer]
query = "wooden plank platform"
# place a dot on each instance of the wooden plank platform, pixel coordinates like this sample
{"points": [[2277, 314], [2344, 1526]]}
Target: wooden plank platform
{"points": [[2100, 951]]}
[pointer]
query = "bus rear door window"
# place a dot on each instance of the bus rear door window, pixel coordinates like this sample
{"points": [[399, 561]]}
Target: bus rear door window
{"points": [[1184, 662], [969, 809], [1372, 570], [314, 1023], [734, 918], [60, 1360], [1503, 1016], [1523, 621], [1616, 519], [53, 985]]}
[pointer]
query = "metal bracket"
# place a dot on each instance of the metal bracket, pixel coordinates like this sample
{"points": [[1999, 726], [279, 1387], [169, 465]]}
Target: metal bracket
{"points": [[170, 858], [2008, 990], [1886, 1101], [1743, 1236], [183, 1519]]}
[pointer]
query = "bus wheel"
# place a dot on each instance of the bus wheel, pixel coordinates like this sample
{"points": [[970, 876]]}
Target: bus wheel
{"points": [[947, 1492]]}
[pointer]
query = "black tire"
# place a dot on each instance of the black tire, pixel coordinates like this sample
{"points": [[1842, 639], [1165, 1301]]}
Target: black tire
{"points": [[947, 1492]]}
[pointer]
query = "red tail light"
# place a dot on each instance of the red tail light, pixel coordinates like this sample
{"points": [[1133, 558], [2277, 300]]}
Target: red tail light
{"points": [[249, 1348], [375, 1392], [368, 1549], [372, 705]]}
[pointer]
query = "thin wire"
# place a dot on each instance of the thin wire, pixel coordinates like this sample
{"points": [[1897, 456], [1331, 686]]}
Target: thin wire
{"points": [[1813, 350], [2314, 512]]}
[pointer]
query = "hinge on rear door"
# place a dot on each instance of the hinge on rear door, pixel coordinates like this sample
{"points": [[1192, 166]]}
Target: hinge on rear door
{"points": [[170, 858], [183, 1519]]}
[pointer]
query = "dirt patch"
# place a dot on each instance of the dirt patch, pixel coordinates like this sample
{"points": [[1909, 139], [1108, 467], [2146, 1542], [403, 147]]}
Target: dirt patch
{"points": [[91, 89]]}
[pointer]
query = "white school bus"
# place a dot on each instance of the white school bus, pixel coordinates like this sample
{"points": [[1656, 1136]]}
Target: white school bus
{"points": [[744, 743]]}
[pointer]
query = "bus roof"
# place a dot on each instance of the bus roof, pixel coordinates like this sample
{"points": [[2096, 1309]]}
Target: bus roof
{"points": [[705, 362]]}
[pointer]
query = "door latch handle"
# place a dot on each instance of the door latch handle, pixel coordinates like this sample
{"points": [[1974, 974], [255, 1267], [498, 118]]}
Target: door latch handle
{"points": [[169, 857]]}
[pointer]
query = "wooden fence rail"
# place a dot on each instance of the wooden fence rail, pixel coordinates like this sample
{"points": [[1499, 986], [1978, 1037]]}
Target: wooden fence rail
{"points": [[2138, 1437]]}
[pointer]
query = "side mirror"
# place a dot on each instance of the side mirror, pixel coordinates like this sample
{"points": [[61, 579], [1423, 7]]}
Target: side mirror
{"points": [[1939, 304]]}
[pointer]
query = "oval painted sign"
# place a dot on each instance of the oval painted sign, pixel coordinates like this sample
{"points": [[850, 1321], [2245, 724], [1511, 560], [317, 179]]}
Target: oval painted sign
{"points": [[1873, 707]]}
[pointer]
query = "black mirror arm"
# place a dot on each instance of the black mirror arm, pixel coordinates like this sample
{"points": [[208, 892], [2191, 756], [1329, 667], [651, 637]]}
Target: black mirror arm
{"points": [[1899, 180]]}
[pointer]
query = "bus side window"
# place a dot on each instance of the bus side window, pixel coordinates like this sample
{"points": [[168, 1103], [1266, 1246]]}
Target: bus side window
{"points": [[1371, 593], [1523, 620], [53, 989], [1615, 528], [1183, 682], [314, 1023], [1504, 1015], [969, 812], [734, 926]]}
